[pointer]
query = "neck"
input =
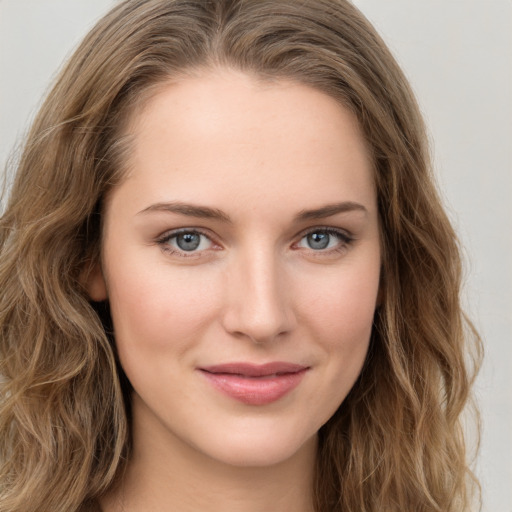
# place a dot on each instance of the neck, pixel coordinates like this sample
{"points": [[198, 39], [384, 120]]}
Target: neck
{"points": [[165, 474]]}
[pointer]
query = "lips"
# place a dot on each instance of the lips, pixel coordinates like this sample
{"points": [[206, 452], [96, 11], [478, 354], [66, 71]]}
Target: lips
{"points": [[255, 384]]}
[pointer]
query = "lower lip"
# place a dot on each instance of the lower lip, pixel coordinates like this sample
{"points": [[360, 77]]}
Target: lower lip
{"points": [[255, 390]]}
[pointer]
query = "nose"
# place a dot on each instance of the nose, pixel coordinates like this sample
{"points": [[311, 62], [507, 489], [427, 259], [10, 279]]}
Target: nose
{"points": [[258, 305]]}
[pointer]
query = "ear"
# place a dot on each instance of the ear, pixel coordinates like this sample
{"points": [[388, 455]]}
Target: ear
{"points": [[94, 283]]}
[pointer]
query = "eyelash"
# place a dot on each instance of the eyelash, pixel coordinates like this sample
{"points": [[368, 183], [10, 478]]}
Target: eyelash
{"points": [[164, 240], [345, 240]]}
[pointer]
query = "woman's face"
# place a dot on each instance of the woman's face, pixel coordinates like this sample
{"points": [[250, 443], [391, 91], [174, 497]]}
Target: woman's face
{"points": [[241, 261]]}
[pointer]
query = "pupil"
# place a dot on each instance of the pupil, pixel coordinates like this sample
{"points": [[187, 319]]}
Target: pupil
{"points": [[188, 241], [318, 240]]}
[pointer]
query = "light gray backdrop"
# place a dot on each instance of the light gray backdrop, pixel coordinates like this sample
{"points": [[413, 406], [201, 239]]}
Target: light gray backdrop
{"points": [[458, 56]]}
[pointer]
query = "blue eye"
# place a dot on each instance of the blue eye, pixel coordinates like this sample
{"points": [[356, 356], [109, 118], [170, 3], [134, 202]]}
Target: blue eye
{"points": [[318, 240], [322, 239], [188, 241]]}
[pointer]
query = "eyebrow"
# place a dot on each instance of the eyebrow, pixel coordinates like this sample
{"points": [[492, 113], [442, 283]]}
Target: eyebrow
{"points": [[205, 212], [202, 212], [330, 210]]}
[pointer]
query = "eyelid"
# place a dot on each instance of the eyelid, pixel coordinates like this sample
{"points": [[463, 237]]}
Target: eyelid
{"points": [[342, 233], [172, 233], [346, 239]]}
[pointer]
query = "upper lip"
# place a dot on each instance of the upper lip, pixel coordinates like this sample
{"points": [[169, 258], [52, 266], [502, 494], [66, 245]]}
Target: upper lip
{"points": [[255, 370]]}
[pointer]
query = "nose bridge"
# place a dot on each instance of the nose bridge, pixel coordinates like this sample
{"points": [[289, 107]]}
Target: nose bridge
{"points": [[258, 306]]}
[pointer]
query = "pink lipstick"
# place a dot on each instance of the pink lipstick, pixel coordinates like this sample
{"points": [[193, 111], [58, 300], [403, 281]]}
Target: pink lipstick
{"points": [[255, 384]]}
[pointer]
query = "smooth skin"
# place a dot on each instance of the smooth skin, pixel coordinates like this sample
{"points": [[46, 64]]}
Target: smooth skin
{"points": [[246, 230]]}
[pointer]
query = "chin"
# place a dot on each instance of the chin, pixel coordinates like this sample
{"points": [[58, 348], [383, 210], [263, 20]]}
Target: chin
{"points": [[262, 450]]}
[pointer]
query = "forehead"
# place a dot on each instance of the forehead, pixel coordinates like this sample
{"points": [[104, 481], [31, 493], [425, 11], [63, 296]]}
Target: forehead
{"points": [[218, 133]]}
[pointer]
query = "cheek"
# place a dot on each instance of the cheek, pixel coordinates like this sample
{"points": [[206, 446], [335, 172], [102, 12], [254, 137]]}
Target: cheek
{"points": [[160, 310], [341, 315], [343, 305]]}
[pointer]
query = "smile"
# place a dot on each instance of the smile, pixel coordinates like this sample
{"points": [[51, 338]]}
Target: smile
{"points": [[255, 384]]}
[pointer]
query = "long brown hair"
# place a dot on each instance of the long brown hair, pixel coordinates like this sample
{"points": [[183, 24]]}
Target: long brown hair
{"points": [[396, 442]]}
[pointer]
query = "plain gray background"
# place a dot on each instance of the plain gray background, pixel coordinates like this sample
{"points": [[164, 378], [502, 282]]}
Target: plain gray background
{"points": [[458, 56]]}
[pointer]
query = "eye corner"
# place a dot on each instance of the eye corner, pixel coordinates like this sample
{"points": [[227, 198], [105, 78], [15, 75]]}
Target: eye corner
{"points": [[325, 245], [169, 243]]}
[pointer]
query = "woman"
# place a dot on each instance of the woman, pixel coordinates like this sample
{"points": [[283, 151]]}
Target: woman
{"points": [[227, 279]]}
